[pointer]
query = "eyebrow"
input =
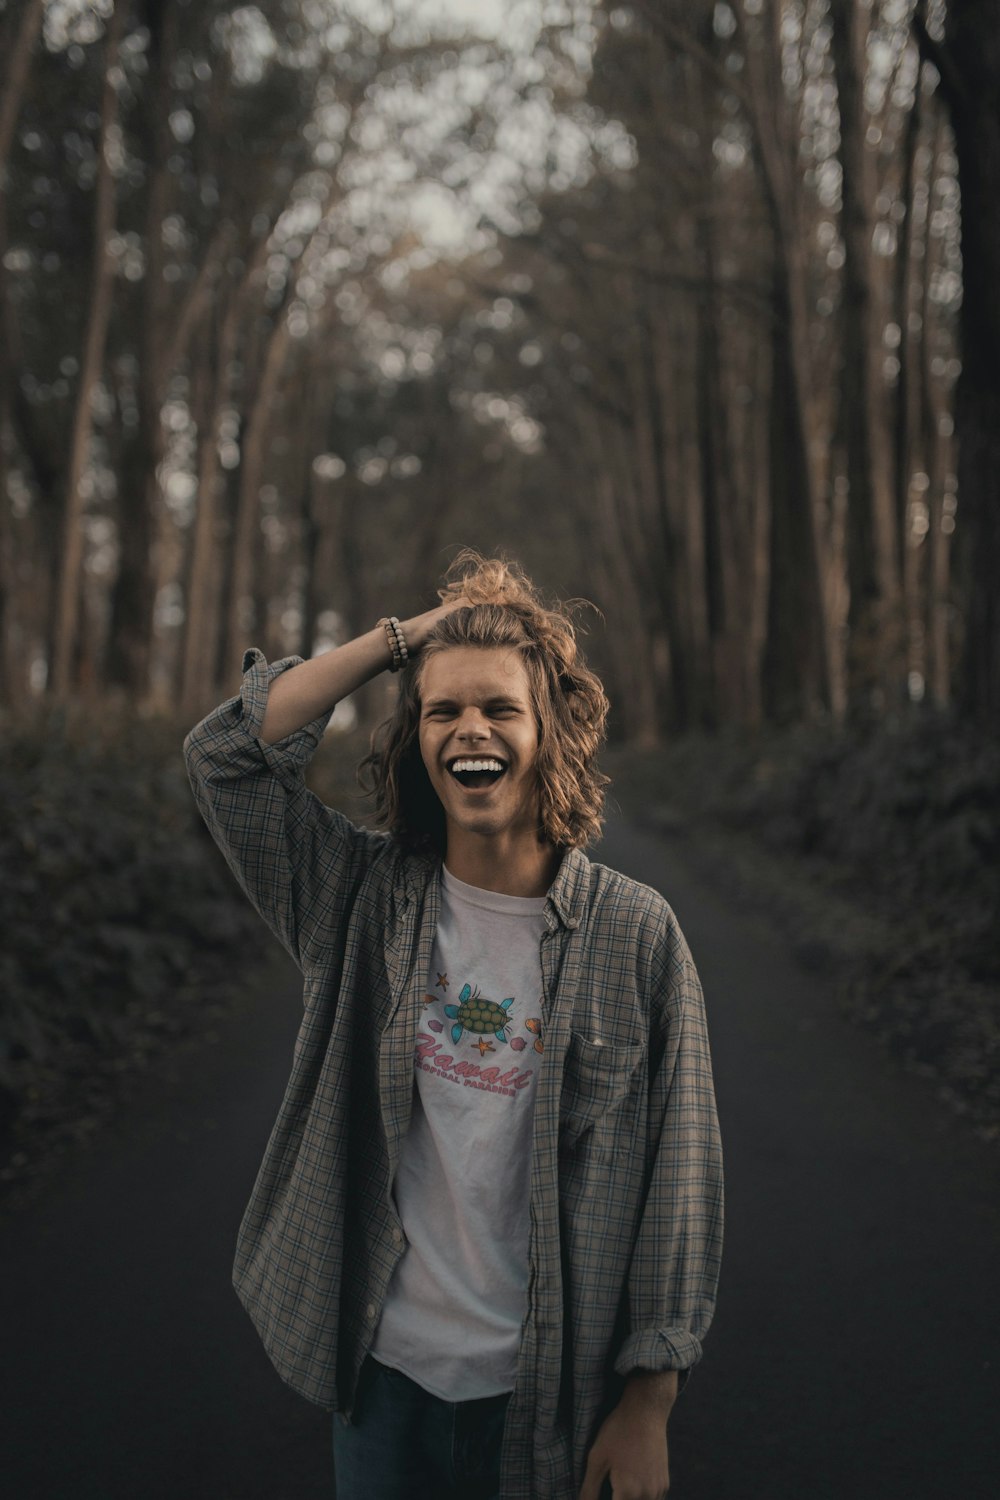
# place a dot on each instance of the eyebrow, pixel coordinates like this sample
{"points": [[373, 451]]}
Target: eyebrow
{"points": [[499, 700]]}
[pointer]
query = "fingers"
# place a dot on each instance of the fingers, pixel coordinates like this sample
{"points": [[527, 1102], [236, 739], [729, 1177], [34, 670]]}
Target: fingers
{"points": [[626, 1488], [593, 1478]]}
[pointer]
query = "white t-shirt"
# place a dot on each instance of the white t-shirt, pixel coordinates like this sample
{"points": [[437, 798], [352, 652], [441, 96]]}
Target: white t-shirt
{"points": [[453, 1313]]}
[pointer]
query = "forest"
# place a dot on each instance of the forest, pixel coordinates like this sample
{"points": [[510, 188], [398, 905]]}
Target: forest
{"points": [[665, 298], [692, 306]]}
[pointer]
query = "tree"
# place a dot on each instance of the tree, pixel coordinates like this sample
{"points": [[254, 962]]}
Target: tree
{"points": [[11, 99], [875, 662], [969, 68], [66, 627]]}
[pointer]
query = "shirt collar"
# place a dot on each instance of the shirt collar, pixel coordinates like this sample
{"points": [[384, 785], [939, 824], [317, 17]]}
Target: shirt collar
{"points": [[566, 894]]}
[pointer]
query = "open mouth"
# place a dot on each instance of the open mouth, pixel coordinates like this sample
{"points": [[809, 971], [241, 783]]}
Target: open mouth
{"points": [[477, 772]]}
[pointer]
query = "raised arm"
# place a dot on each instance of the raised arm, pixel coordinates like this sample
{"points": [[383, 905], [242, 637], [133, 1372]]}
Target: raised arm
{"points": [[308, 691], [297, 860]]}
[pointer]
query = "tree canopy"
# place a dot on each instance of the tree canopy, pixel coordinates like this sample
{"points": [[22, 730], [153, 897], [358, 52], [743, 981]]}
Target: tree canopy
{"points": [[666, 299]]}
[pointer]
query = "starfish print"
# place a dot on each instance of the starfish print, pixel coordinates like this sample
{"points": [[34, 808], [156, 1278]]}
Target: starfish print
{"points": [[484, 1046], [442, 982]]}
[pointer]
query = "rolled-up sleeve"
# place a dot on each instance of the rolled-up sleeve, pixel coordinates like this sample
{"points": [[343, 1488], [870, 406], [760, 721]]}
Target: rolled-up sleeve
{"points": [[293, 856], [675, 1267]]}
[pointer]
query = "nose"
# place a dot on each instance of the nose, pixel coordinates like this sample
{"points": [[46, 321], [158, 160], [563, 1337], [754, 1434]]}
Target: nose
{"points": [[472, 726]]}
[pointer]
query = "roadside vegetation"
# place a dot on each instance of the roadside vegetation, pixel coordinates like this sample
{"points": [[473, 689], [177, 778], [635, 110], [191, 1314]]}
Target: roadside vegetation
{"points": [[878, 855], [125, 937], [123, 932]]}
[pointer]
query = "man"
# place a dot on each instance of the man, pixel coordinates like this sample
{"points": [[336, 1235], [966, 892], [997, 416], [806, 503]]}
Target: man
{"points": [[487, 1227]]}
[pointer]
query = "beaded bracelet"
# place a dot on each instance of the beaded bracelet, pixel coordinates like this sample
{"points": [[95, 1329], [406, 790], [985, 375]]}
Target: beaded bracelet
{"points": [[396, 641]]}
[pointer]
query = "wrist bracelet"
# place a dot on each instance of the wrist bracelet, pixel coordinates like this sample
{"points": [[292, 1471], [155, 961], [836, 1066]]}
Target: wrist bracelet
{"points": [[396, 641], [402, 648]]}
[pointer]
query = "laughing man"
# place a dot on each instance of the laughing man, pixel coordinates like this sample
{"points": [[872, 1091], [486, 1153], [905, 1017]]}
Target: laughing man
{"points": [[486, 1230]]}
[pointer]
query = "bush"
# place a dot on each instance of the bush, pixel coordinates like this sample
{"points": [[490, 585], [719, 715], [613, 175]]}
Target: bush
{"points": [[901, 822], [118, 914]]}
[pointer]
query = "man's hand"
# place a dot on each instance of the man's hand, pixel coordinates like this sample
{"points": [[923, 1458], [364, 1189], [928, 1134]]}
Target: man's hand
{"points": [[313, 687], [631, 1447], [418, 627]]}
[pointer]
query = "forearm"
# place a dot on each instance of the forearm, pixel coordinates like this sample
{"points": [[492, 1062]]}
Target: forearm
{"points": [[652, 1392], [631, 1447], [315, 687]]}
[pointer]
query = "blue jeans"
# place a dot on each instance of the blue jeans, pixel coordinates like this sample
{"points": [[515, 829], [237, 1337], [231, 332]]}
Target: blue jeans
{"points": [[402, 1443]]}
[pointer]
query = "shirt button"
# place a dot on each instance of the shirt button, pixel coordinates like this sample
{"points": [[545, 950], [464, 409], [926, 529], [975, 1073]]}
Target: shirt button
{"points": [[370, 1311], [397, 1236]]}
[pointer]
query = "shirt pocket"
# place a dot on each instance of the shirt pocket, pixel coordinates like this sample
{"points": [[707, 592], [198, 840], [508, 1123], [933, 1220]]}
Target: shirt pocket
{"points": [[599, 1080]]}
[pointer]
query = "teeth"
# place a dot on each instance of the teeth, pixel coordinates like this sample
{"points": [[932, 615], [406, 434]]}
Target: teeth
{"points": [[477, 765]]}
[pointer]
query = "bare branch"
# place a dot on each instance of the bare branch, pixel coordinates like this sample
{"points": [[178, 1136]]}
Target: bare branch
{"points": [[193, 304], [17, 76]]}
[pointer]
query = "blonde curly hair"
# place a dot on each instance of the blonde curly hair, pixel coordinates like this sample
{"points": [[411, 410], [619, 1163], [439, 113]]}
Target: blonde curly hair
{"points": [[505, 610]]}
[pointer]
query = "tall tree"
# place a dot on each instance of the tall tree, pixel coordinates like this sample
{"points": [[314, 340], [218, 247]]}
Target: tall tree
{"points": [[11, 98], [798, 675], [66, 625], [132, 602], [16, 74], [969, 65], [875, 661]]}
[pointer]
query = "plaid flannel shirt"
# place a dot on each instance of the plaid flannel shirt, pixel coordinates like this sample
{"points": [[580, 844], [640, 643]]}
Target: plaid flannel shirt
{"points": [[626, 1185]]}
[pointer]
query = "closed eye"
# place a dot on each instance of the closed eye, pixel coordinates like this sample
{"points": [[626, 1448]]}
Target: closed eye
{"points": [[503, 708]]}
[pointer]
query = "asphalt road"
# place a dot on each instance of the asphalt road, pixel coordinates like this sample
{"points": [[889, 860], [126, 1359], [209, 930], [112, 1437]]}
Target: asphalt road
{"points": [[856, 1347]]}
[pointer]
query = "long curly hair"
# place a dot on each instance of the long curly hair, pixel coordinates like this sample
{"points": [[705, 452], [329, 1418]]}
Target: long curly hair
{"points": [[505, 610]]}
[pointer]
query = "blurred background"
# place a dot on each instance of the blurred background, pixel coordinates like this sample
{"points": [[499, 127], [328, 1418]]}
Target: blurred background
{"points": [[691, 307], [665, 298]]}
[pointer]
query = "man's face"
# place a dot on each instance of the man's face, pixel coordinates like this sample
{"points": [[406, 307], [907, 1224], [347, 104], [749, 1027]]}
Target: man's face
{"points": [[479, 740]]}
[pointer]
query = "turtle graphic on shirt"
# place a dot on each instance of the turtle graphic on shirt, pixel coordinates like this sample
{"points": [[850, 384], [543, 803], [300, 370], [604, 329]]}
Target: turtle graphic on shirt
{"points": [[476, 1014]]}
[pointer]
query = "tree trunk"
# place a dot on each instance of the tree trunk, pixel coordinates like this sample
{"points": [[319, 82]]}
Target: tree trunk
{"points": [[197, 661], [910, 552], [675, 329], [874, 655], [67, 610], [797, 658], [972, 32], [16, 78], [133, 597], [905, 416], [8, 564], [659, 471], [14, 85], [937, 463], [239, 615], [628, 633], [729, 555], [203, 611]]}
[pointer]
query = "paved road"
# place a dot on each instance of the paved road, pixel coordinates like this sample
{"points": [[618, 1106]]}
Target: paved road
{"points": [[856, 1347]]}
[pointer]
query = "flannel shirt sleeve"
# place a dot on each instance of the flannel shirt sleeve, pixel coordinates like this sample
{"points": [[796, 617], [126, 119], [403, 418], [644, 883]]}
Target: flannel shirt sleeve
{"points": [[296, 859], [675, 1267]]}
